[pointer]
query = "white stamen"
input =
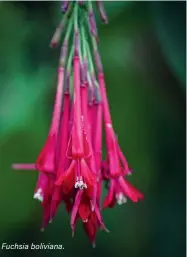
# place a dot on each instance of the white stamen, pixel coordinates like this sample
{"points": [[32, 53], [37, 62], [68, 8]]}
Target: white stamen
{"points": [[121, 198], [38, 195], [76, 184], [80, 184]]}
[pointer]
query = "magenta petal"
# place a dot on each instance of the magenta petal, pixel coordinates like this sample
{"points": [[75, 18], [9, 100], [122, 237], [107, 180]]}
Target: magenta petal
{"points": [[130, 191], [109, 199], [99, 217], [75, 208], [46, 158], [46, 215]]}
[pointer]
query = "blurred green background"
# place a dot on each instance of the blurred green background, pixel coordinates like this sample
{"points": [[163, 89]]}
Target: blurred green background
{"points": [[143, 51]]}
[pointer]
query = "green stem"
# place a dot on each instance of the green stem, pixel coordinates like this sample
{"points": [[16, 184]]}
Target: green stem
{"points": [[89, 81], [90, 60], [76, 32], [76, 17], [70, 60], [91, 67], [97, 58], [64, 49], [90, 9], [69, 28], [67, 16], [81, 50], [57, 35], [71, 89]]}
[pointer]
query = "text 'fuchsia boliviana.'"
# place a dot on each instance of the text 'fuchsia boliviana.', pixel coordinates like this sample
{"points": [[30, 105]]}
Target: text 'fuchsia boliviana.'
{"points": [[70, 164]]}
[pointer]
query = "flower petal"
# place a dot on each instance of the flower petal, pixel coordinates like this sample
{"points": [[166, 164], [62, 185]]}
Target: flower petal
{"points": [[130, 191], [110, 198], [87, 174], [67, 180], [75, 208], [84, 209], [46, 158]]}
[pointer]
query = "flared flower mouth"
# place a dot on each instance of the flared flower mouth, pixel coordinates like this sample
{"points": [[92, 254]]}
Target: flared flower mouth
{"points": [[70, 164]]}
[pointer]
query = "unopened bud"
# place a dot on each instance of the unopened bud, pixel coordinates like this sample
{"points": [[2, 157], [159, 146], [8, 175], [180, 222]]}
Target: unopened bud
{"points": [[56, 38], [65, 5], [57, 35], [102, 12], [92, 24]]}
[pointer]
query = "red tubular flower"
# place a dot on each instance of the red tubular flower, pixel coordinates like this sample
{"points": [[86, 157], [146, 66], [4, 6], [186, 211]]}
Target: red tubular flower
{"points": [[62, 159], [46, 158], [78, 175], [87, 130], [119, 187]]}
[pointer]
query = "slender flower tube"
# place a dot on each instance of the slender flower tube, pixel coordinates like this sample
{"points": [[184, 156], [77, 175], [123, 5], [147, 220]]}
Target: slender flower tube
{"points": [[98, 149], [77, 135], [46, 158], [22, 166], [102, 12], [63, 137], [86, 120]]}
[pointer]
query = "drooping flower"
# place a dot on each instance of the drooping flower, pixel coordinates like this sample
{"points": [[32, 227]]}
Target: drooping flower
{"points": [[46, 158], [78, 175], [120, 188], [70, 165]]}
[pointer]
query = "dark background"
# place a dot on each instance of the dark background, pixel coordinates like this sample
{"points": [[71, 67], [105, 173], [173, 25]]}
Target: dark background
{"points": [[143, 53]]}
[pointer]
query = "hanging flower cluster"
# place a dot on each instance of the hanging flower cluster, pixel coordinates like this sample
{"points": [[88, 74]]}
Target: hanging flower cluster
{"points": [[70, 164]]}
